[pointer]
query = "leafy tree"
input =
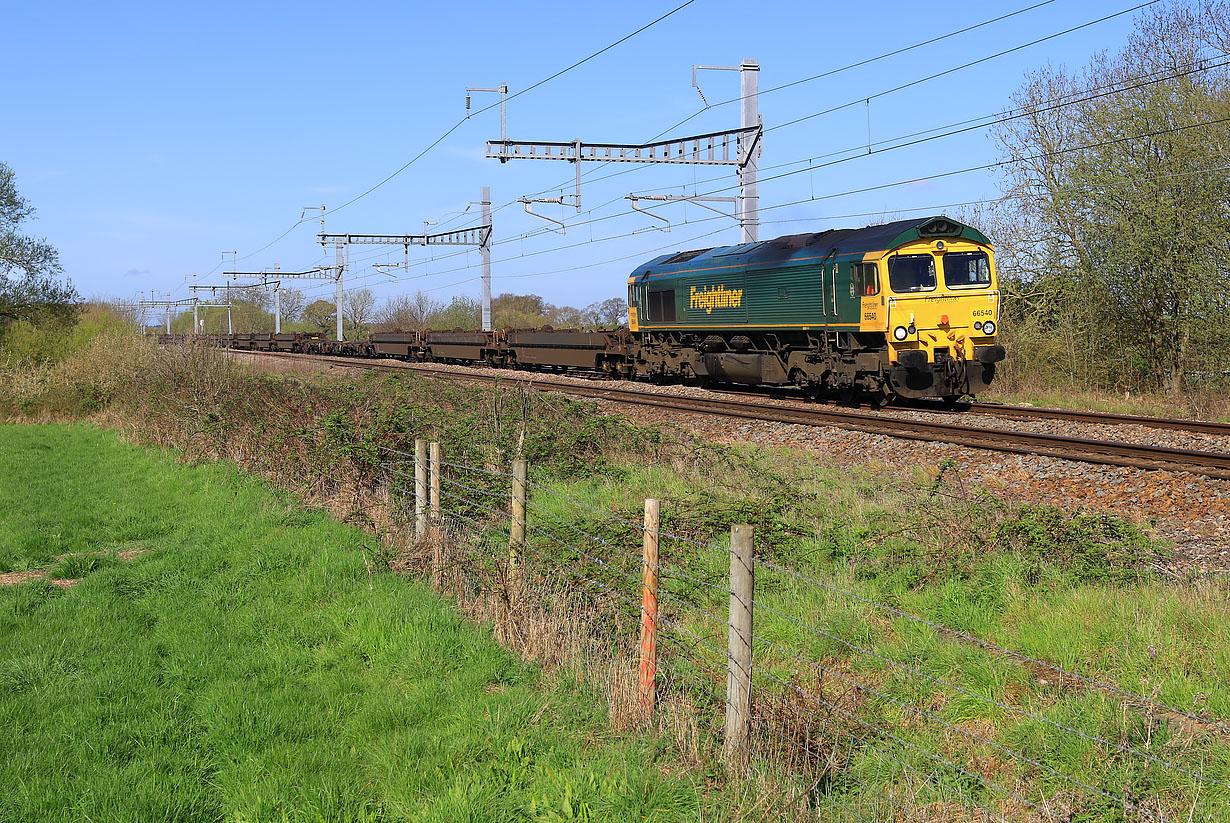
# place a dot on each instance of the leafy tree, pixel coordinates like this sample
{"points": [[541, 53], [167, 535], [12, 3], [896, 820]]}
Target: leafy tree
{"points": [[1114, 236], [30, 288], [462, 313], [247, 317], [321, 315], [519, 311]]}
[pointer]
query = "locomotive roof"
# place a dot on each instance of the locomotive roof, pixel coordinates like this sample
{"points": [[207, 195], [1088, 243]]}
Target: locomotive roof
{"points": [[807, 247]]}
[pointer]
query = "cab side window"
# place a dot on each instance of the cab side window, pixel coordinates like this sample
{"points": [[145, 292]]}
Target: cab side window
{"points": [[662, 306], [866, 279]]}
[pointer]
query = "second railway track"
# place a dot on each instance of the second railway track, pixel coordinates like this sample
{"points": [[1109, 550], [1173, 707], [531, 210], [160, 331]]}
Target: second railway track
{"points": [[1105, 452]]}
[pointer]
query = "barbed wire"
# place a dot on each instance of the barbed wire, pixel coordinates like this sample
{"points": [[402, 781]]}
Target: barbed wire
{"points": [[696, 661], [930, 716], [984, 698], [854, 683], [944, 630]]}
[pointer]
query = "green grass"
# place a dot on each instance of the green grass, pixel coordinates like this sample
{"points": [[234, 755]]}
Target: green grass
{"points": [[1201, 404], [250, 666], [1077, 590], [1070, 590]]}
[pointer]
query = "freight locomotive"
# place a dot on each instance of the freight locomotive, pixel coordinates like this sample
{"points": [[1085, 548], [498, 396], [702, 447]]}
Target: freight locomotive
{"points": [[905, 309]]}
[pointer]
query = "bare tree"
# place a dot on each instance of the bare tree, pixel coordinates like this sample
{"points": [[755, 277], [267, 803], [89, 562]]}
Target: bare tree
{"points": [[357, 310], [1115, 219], [293, 302], [568, 317], [407, 312], [608, 314]]}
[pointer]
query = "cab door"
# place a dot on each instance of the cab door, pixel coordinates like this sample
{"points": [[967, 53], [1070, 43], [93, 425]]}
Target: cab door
{"points": [[872, 316]]}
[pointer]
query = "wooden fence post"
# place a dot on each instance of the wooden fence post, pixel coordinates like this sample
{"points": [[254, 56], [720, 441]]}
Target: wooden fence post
{"points": [[517, 532], [435, 482], [739, 647], [420, 488], [437, 543], [649, 609]]}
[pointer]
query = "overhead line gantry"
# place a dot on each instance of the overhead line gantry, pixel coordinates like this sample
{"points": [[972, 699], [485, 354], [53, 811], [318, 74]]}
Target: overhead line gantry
{"points": [[479, 236], [167, 305], [739, 147], [274, 278]]}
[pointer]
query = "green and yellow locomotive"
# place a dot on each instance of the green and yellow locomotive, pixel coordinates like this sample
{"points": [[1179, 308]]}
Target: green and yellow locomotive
{"points": [[905, 309]]}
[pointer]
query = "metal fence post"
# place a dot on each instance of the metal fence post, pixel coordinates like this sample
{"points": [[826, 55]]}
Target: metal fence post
{"points": [[739, 646], [649, 610], [517, 532], [420, 488]]}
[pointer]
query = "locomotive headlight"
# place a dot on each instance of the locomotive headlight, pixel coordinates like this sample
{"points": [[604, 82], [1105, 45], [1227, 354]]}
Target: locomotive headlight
{"points": [[977, 325], [899, 333], [988, 327]]}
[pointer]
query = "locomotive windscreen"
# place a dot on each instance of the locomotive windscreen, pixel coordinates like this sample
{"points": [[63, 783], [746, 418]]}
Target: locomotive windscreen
{"points": [[967, 270], [911, 272]]}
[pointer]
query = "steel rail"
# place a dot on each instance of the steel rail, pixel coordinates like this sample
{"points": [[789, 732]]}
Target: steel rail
{"points": [[1007, 411], [1104, 452], [1101, 418]]}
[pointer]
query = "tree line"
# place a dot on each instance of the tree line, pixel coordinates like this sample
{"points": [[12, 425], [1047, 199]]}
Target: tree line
{"points": [[252, 311]]}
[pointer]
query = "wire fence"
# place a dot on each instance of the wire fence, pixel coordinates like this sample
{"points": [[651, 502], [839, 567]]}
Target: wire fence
{"points": [[837, 706]]}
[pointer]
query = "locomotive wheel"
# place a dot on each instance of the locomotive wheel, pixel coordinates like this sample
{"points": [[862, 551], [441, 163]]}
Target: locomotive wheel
{"points": [[810, 388]]}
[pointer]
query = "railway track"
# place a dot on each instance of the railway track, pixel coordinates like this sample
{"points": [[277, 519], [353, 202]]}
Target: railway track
{"points": [[1104, 452], [1102, 418], [1020, 413]]}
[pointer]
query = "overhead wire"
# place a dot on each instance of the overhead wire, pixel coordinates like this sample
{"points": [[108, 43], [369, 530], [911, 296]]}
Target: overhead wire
{"points": [[642, 253], [767, 91], [832, 72], [894, 89], [963, 66], [991, 119], [813, 167], [459, 123], [858, 64], [526, 90]]}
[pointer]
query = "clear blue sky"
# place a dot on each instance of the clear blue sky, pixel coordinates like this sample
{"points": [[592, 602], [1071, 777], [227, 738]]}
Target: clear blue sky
{"points": [[151, 137]]}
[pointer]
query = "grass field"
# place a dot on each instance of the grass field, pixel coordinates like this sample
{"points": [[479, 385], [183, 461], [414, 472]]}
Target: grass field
{"points": [[1087, 591], [1066, 589], [248, 664]]}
